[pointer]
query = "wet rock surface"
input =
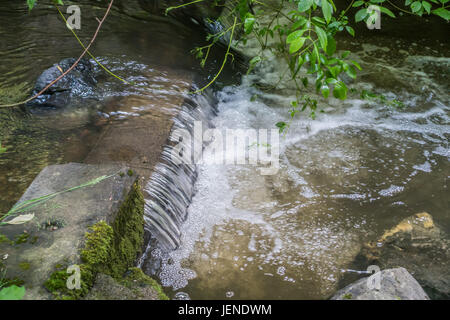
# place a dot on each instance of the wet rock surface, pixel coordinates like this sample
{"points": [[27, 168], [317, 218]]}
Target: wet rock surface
{"points": [[80, 82], [106, 288], [53, 239], [394, 284], [418, 245]]}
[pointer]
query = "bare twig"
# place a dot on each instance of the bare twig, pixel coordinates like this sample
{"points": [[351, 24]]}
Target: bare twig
{"points": [[71, 68]]}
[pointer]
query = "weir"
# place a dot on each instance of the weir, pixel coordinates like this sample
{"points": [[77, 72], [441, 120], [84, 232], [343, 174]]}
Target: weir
{"points": [[171, 186]]}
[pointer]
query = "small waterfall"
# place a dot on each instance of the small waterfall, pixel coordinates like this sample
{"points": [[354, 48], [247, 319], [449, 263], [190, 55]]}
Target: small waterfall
{"points": [[171, 186]]}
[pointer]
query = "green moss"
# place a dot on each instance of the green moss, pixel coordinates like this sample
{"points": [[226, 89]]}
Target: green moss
{"points": [[24, 265], [108, 249], [22, 238], [347, 296], [57, 284], [130, 172], [128, 230], [4, 239], [34, 239], [97, 249], [136, 276], [7, 282]]}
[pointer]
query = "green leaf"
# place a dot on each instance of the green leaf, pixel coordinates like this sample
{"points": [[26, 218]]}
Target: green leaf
{"points": [[387, 11], [297, 24], [296, 45], [351, 72], [443, 13], [331, 47], [281, 126], [345, 54], [350, 30], [249, 23], [253, 62], [304, 5], [294, 35], [360, 15], [325, 89], [416, 6], [327, 9], [340, 90], [322, 37], [358, 3], [31, 4], [356, 64], [426, 6], [12, 293]]}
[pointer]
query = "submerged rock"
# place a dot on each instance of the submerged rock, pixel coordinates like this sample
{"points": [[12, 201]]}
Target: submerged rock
{"points": [[417, 244], [80, 82], [394, 284]]}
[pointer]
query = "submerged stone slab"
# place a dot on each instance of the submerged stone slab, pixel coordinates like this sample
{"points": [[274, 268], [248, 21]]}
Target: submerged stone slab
{"points": [[55, 236], [395, 284], [139, 126]]}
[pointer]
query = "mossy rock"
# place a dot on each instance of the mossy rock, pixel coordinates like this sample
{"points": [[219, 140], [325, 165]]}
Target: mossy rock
{"points": [[134, 286], [103, 231]]}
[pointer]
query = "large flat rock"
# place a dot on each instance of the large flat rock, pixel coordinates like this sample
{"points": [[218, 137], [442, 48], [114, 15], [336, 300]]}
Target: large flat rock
{"points": [[57, 232]]}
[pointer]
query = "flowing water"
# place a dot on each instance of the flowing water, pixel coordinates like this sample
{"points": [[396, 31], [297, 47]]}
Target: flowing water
{"points": [[344, 178], [357, 170]]}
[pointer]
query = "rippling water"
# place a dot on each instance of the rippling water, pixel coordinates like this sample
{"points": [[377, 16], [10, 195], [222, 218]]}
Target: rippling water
{"points": [[151, 51]]}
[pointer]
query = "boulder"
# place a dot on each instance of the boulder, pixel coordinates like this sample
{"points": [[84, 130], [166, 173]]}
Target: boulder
{"points": [[97, 226], [419, 245], [394, 284], [80, 82]]}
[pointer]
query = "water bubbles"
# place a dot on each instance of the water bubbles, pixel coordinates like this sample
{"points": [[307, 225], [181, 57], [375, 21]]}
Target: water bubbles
{"points": [[181, 296], [281, 271]]}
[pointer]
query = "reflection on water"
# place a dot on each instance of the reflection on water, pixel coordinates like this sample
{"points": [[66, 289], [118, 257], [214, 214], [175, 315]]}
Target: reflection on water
{"points": [[151, 51], [355, 171]]}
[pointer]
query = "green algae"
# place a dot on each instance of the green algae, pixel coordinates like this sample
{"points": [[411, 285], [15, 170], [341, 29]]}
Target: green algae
{"points": [[135, 276], [110, 249]]}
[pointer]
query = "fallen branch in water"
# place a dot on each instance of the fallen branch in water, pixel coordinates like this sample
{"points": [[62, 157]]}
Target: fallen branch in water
{"points": [[68, 70]]}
